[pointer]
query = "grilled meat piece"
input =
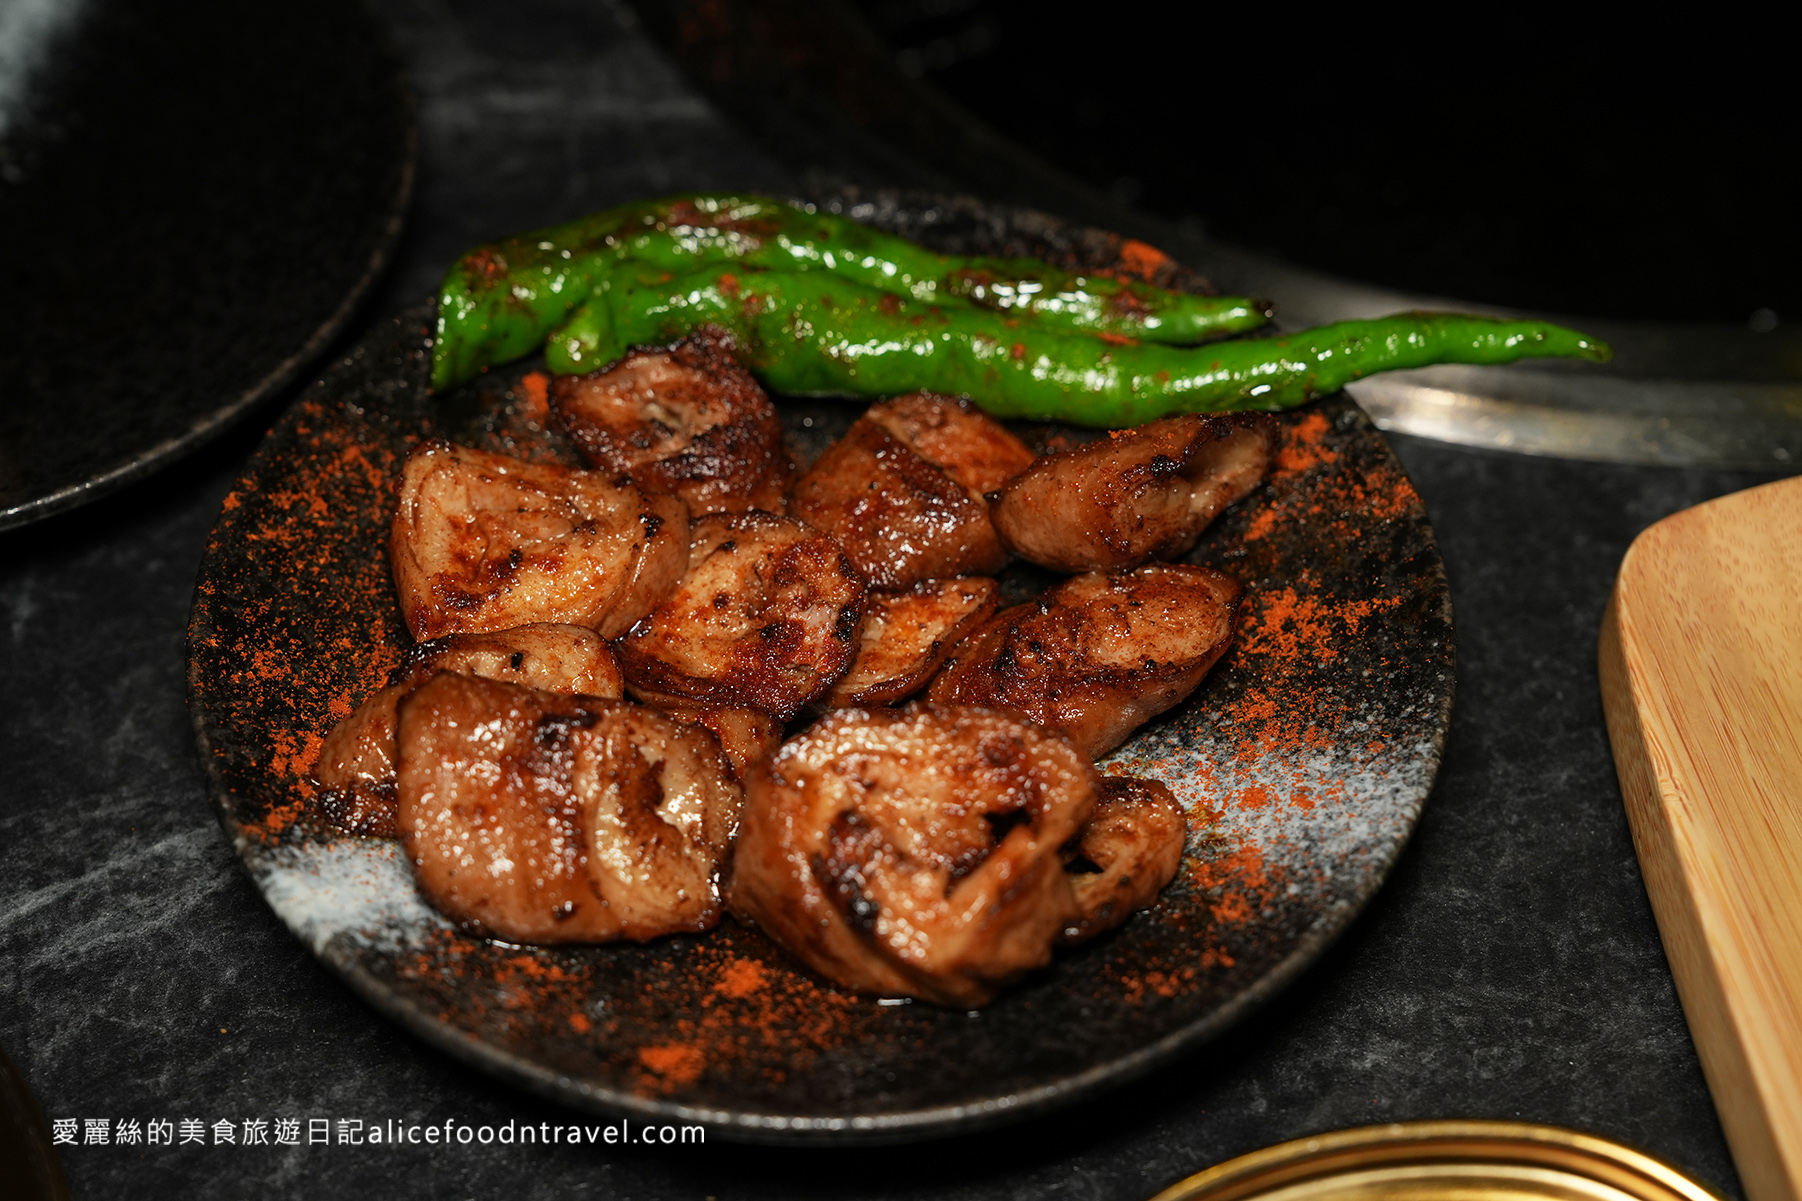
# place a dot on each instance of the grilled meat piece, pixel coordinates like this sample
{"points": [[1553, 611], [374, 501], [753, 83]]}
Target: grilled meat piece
{"points": [[766, 617], [485, 542], [914, 851], [901, 514], [543, 818], [1099, 655], [1138, 495], [905, 636], [746, 735], [356, 760], [956, 437], [686, 420], [1128, 850]]}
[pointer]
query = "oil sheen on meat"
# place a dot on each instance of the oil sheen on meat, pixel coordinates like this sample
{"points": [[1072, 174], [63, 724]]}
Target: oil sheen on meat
{"points": [[484, 542], [1128, 851], [686, 420], [1136, 495], [746, 734], [542, 818], [906, 636], [903, 490], [1098, 655], [355, 769], [914, 852], [766, 617]]}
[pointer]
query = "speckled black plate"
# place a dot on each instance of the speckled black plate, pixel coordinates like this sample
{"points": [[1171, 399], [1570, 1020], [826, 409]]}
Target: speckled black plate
{"points": [[195, 194], [1303, 762]]}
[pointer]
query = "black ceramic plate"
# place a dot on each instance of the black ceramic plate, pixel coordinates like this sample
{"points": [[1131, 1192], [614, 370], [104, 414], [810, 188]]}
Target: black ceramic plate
{"points": [[195, 194], [1302, 762]]}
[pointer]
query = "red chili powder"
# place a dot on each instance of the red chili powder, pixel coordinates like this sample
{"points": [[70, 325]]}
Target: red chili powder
{"points": [[1301, 447], [1163, 984], [1287, 633], [1236, 882], [741, 978], [1255, 797], [534, 967], [534, 392], [280, 818], [295, 753], [1141, 259], [675, 1063]]}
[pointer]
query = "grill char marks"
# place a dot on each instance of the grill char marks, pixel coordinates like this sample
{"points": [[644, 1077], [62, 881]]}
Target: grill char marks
{"points": [[543, 818], [356, 761], [1140, 494], [906, 636], [1134, 841], [903, 490], [484, 542], [685, 420], [765, 617], [914, 852], [1099, 655]]}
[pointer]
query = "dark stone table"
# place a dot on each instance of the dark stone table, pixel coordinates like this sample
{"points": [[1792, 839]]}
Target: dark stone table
{"points": [[1509, 969]]}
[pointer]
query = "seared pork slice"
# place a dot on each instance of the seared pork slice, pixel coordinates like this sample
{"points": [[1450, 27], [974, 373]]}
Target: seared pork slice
{"points": [[914, 852], [1128, 850], [953, 435], [746, 735], [905, 636], [766, 617], [542, 818], [1099, 655], [1137, 495], [686, 420], [356, 760], [893, 490], [485, 542]]}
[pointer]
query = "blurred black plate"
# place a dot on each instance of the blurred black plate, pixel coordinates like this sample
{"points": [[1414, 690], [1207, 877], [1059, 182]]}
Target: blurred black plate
{"points": [[195, 195], [28, 1162]]}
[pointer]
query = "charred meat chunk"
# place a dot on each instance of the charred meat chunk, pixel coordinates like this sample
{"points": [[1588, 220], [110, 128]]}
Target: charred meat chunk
{"points": [[686, 420], [542, 818], [906, 636], [1128, 850], [1099, 655], [914, 852], [485, 542], [356, 761], [745, 734], [956, 437], [1137, 495], [766, 617], [902, 514]]}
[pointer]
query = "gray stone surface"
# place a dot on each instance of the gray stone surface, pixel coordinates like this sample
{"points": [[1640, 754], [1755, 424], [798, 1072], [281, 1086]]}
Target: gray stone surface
{"points": [[1510, 969]]}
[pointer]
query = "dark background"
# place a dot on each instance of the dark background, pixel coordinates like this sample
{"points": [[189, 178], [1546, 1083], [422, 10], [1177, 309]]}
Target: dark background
{"points": [[1637, 167], [1509, 969]]}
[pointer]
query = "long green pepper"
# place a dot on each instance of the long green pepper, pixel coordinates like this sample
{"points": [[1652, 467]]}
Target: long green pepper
{"points": [[809, 333], [501, 301], [820, 304]]}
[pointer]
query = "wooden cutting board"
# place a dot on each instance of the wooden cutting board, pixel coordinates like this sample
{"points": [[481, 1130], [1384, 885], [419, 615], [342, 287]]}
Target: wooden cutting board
{"points": [[1701, 664]]}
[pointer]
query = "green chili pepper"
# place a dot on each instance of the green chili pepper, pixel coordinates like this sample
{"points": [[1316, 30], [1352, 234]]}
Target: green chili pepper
{"points": [[500, 301], [815, 333]]}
